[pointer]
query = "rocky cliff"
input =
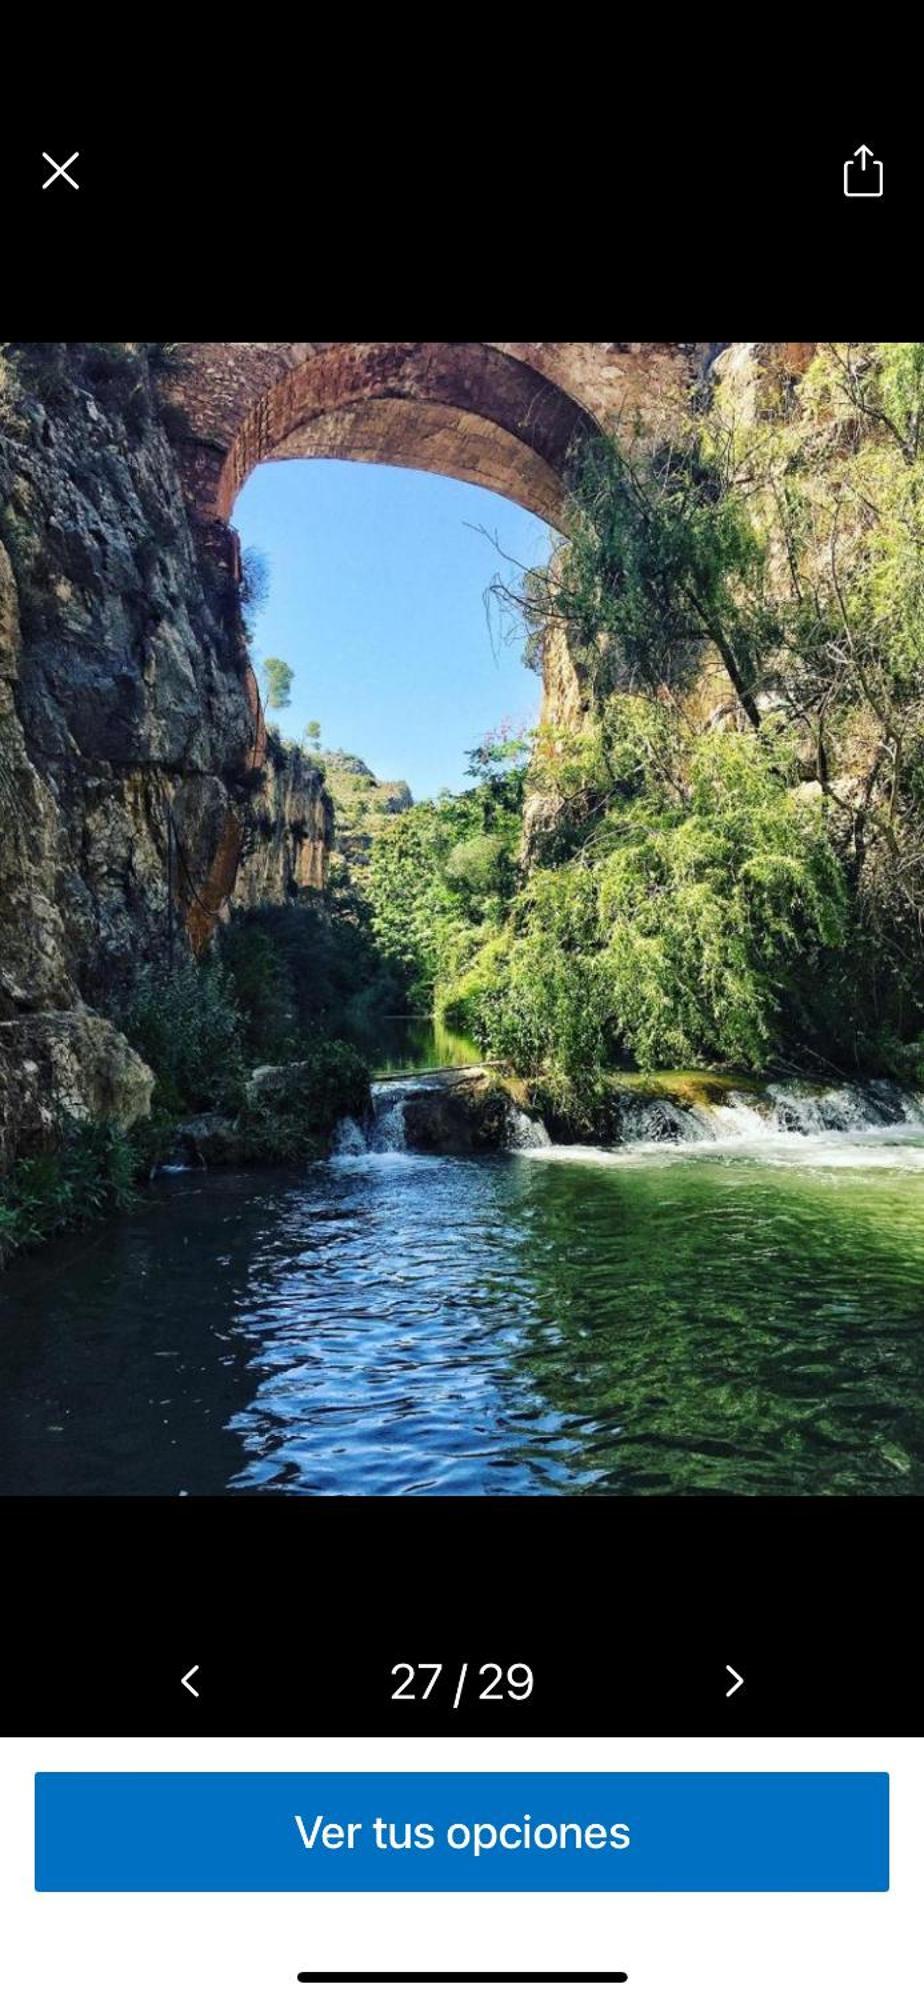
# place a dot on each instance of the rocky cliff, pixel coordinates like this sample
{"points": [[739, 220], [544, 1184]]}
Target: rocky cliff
{"points": [[362, 804], [131, 744], [747, 382], [290, 832]]}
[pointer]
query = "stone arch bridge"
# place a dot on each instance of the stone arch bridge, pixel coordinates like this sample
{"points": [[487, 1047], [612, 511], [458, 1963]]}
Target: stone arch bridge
{"points": [[502, 416]]}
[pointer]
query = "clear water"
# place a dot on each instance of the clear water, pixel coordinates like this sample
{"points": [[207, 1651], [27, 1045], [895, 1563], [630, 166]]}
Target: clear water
{"points": [[401, 1043], [663, 1319]]}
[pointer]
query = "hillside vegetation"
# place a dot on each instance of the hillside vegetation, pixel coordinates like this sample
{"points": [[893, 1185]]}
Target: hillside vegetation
{"points": [[723, 862]]}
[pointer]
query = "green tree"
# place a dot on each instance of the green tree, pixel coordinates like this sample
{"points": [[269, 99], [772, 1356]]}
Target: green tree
{"points": [[277, 683], [783, 550], [440, 879], [690, 926], [663, 560]]}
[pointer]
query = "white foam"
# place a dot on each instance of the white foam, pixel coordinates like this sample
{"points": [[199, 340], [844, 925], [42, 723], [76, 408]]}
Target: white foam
{"points": [[527, 1135], [900, 1148]]}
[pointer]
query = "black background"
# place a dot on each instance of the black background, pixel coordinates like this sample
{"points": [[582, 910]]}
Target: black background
{"points": [[627, 1610], [620, 196]]}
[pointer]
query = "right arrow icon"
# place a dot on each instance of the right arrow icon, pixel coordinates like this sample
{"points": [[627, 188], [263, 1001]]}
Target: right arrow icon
{"points": [[737, 1681]]}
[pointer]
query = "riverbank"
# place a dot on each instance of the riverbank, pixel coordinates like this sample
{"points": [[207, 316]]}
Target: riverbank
{"points": [[309, 1111]]}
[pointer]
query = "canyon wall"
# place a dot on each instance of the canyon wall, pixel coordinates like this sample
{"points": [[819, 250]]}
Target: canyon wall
{"points": [[132, 750], [290, 833], [649, 384]]}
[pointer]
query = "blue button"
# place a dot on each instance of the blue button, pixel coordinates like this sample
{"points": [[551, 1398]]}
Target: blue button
{"points": [[321, 1830]]}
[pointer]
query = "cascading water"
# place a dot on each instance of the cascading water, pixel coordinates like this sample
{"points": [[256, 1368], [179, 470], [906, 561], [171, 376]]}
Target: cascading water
{"points": [[775, 1121], [527, 1135], [742, 1120], [845, 1107], [745, 1117], [387, 1134], [383, 1131]]}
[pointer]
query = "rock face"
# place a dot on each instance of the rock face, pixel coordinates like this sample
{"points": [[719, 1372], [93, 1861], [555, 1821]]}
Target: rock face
{"points": [[124, 705], [362, 804], [61, 1066], [34, 967], [291, 828], [131, 742]]}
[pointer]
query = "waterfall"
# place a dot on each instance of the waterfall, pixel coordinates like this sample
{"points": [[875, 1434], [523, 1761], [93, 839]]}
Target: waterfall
{"points": [[745, 1117], [847, 1107], [348, 1140], [647, 1121], [387, 1133], [526, 1134], [382, 1131], [721, 1115]]}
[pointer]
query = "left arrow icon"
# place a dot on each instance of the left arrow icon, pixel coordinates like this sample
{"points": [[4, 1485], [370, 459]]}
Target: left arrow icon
{"points": [[187, 1682]]}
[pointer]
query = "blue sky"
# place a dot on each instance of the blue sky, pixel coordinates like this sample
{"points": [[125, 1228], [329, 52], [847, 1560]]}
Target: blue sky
{"points": [[376, 601]]}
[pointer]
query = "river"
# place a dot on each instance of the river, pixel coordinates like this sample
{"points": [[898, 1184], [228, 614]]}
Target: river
{"points": [[744, 1314]]}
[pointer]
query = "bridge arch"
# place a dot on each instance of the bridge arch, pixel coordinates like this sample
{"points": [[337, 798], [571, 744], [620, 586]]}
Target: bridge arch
{"points": [[502, 416], [468, 410]]}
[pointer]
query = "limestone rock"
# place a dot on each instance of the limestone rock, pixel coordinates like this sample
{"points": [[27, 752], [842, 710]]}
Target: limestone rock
{"points": [[362, 804], [289, 830], [468, 1115], [211, 1140], [268, 1084], [61, 1066], [755, 379], [33, 951], [124, 689]]}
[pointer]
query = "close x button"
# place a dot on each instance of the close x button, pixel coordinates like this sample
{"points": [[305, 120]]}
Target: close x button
{"points": [[60, 172]]}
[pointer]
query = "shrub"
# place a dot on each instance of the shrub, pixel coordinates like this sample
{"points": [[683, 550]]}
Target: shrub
{"points": [[261, 983], [306, 969], [295, 1115], [187, 1025], [693, 926], [89, 1174]]}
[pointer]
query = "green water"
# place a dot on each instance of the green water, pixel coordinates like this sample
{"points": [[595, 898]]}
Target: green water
{"points": [[401, 1043], [660, 1321]]}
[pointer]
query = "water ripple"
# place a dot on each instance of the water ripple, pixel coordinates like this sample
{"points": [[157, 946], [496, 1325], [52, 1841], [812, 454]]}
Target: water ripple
{"points": [[664, 1320]]}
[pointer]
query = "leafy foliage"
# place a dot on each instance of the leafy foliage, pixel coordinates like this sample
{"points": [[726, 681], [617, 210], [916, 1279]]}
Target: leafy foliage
{"points": [[188, 1027], [442, 874], [306, 970], [89, 1174], [725, 859], [254, 588], [278, 990], [295, 1120], [277, 682], [689, 926]]}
